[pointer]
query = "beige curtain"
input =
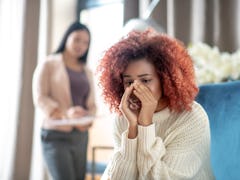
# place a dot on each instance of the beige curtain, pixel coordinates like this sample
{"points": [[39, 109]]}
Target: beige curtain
{"points": [[20, 23], [55, 17], [19, 42], [25, 118], [11, 27], [215, 22]]}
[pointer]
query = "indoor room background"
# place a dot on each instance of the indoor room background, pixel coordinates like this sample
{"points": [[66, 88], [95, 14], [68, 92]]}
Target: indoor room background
{"points": [[31, 29]]}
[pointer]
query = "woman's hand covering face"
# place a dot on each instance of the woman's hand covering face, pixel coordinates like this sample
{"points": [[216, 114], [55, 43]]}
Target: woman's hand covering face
{"points": [[138, 104]]}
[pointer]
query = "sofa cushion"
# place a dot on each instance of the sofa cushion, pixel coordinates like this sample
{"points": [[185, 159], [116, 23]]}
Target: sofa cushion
{"points": [[222, 104]]}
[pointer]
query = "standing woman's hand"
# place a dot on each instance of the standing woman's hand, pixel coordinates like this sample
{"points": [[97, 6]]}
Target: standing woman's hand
{"points": [[148, 103], [76, 112], [57, 114]]}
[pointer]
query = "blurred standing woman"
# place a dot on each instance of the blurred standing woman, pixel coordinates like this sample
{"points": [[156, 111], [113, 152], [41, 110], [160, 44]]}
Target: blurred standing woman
{"points": [[63, 89]]}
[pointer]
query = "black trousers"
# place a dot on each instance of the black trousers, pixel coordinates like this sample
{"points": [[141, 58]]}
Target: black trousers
{"points": [[65, 153]]}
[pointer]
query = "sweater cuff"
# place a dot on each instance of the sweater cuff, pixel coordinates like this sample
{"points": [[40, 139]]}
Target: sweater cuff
{"points": [[129, 147], [146, 137]]}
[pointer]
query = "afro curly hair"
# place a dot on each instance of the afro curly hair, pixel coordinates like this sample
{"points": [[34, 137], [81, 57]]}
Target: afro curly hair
{"points": [[168, 55]]}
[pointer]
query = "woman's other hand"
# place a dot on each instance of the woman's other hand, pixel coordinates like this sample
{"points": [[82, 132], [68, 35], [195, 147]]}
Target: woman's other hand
{"points": [[148, 103], [129, 111], [76, 112], [128, 108]]}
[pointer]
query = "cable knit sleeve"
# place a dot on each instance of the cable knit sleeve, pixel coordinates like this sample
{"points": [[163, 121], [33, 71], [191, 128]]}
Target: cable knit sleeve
{"points": [[181, 153], [123, 163]]}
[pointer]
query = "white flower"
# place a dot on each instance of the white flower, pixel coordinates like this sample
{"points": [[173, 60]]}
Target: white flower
{"points": [[213, 66]]}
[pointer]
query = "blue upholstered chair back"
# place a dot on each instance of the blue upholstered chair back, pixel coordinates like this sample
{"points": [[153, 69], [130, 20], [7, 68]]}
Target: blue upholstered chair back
{"points": [[222, 104]]}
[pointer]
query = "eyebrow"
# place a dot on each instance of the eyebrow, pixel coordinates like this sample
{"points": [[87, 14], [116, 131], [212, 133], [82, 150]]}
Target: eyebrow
{"points": [[141, 75]]}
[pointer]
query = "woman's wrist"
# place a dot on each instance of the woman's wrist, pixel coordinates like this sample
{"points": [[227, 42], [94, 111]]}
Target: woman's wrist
{"points": [[132, 131], [144, 123], [145, 120]]}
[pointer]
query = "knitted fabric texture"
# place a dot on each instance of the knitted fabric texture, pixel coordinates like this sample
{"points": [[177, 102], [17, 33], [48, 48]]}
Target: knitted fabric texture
{"points": [[175, 146]]}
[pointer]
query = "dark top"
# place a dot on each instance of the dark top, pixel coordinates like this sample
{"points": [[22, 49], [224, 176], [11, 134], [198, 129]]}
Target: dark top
{"points": [[79, 87]]}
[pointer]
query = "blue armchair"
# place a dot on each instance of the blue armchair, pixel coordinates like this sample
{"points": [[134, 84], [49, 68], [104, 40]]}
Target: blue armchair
{"points": [[222, 104]]}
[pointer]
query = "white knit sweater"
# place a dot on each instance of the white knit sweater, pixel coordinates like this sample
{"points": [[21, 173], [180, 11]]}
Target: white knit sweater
{"points": [[175, 146]]}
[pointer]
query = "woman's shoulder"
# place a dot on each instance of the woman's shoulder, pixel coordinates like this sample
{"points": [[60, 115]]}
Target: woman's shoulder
{"points": [[51, 61], [197, 116], [53, 58], [198, 109], [190, 126]]}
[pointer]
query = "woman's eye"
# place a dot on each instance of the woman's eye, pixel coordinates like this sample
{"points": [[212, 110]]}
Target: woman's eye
{"points": [[128, 83], [146, 81]]}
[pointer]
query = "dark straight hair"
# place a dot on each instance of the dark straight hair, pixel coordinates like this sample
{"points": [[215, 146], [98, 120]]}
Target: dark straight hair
{"points": [[74, 27]]}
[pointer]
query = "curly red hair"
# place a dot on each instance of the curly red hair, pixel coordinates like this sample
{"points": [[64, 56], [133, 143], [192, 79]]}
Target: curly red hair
{"points": [[170, 58]]}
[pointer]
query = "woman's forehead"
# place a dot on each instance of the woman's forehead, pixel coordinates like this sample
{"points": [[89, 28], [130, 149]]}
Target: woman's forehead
{"points": [[141, 67]]}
